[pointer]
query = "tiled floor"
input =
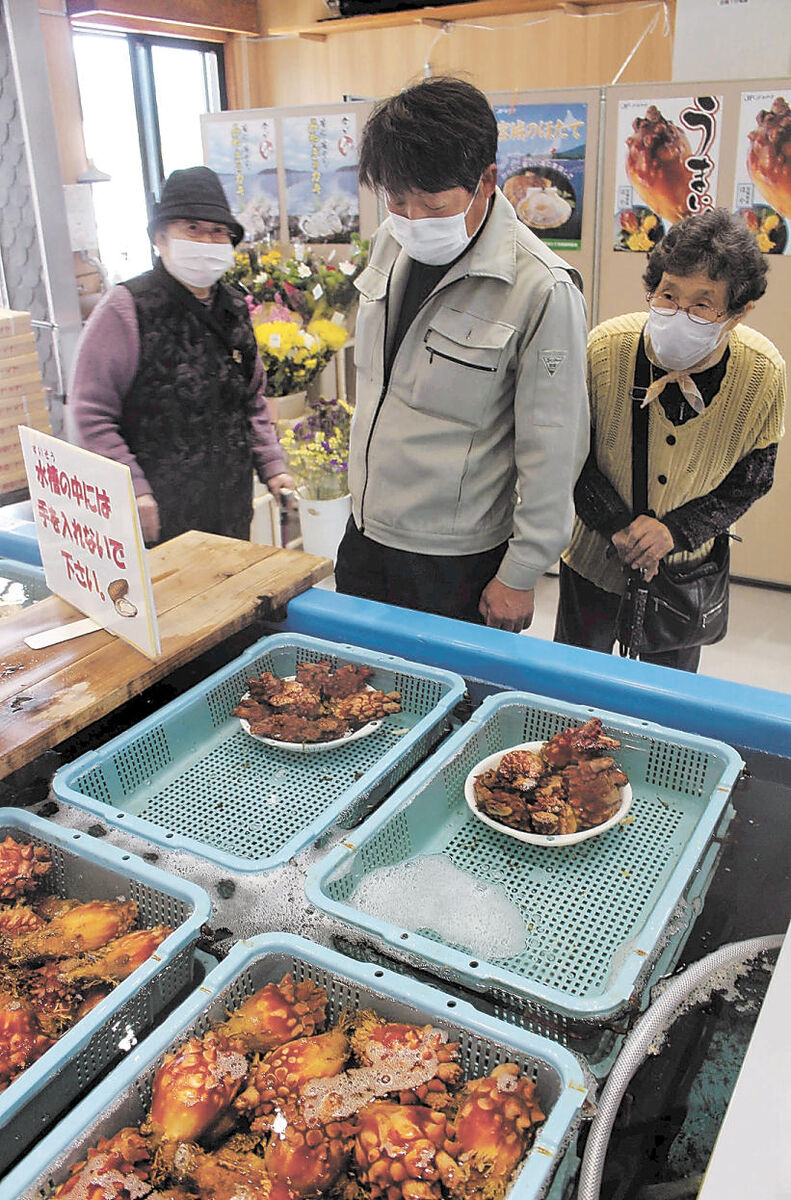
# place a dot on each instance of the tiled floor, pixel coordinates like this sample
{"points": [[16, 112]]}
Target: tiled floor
{"points": [[757, 649]]}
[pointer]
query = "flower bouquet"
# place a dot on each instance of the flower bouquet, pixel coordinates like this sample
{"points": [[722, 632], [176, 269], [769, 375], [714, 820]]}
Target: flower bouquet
{"points": [[303, 283], [337, 281], [292, 355], [317, 449]]}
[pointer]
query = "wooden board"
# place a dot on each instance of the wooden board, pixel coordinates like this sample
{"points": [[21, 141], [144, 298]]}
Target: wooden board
{"points": [[231, 16], [431, 15], [205, 589]]}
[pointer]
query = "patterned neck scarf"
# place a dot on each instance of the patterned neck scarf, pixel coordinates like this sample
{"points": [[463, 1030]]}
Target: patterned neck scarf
{"points": [[689, 389]]}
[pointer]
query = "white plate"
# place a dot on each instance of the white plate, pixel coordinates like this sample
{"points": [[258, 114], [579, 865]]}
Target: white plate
{"points": [[311, 747], [538, 839]]}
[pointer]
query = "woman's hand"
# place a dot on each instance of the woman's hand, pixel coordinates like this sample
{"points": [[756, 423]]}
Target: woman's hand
{"points": [[278, 482], [643, 544], [148, 509], [506, 608]]}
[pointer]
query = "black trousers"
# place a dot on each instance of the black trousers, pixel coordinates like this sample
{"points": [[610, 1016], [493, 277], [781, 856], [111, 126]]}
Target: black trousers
{"points": [[449, 585], [587, 616]]}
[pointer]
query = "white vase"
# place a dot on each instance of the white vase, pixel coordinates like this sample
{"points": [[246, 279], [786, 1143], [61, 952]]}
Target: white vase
{"points": [[323, 523], [287, 408]]}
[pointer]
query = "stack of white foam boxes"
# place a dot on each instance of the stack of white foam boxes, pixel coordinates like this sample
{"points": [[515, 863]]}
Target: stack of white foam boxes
{"points": [[22, 400]]}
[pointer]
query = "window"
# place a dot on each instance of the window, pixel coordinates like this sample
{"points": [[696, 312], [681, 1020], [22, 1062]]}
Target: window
{"points": [[142, 98]]}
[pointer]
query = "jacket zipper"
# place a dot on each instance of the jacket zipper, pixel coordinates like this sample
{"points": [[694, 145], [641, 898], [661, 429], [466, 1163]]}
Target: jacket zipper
{"points": [[386, 376], [380, 401], [449, 358]]}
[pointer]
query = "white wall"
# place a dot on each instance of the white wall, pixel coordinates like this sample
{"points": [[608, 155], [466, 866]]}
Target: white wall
{"points": [[732, 39]]}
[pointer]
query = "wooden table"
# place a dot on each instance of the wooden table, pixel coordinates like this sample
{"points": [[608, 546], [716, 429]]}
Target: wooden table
{"points": [[205, 589]]}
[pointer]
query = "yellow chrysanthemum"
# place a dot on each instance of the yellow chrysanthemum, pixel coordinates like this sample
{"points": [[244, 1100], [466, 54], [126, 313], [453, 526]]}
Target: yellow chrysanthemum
{"points": [[331, 334], [279, 337]]}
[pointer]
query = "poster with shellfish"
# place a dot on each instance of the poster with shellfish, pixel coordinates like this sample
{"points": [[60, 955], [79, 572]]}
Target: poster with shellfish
{"points": [[320, 164], [541, 167], [666, 165], [762, 188], [242, 149]]}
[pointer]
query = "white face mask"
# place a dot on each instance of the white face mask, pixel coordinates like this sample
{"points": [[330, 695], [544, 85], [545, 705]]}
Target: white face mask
{"points": [[434, 241], [679, 343], [197, 264]]}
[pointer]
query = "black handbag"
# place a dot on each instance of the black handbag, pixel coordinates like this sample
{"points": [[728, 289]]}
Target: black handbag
{"points": [[680, 607], [684, 605]]}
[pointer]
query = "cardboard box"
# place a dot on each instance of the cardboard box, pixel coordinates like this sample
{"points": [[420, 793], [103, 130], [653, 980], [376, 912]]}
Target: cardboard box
{"points": [[15, 410], [36, 416], [12, 484], [19, 364], [13, 323], [21, 343], [19, 385], [12, 470], [10, 448]]}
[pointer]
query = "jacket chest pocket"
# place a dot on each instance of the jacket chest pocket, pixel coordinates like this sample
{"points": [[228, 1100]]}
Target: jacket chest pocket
{"points": [[460, 366], [369, 330]]}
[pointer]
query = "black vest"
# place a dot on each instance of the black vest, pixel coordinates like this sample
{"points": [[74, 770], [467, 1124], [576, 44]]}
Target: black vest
{"points": [[186, 416]]}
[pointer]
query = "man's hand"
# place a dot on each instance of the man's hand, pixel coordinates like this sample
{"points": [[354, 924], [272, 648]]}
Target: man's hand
{"points": [[148, 509], [278, 482], [506, 608], [643, 544]]}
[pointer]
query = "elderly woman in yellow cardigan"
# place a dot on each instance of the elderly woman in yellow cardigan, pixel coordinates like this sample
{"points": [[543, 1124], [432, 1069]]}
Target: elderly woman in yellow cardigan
{"points": [[715, 392]]}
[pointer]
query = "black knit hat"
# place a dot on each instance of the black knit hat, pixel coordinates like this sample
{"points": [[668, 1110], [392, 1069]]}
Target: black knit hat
{"points": [[194, 194]]}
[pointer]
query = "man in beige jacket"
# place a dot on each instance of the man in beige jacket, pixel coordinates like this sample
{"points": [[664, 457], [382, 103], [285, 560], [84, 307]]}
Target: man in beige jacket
{"points": [[471, 424]]}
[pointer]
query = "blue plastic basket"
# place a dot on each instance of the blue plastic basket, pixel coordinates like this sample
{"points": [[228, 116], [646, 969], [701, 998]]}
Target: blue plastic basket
{"points": [[189, 777], [603, 917], [20, 583], [85, 869], [123, 1098], [18, 533]]}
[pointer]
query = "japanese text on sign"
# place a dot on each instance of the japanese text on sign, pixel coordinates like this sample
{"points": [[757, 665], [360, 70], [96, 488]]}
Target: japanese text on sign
{"points": [[313, 138], [548, 130], [89, 536], [701, 116]]}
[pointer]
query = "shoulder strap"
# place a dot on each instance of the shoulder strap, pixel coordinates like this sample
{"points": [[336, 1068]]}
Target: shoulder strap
{"points": [[642, 373], [631, 614]]}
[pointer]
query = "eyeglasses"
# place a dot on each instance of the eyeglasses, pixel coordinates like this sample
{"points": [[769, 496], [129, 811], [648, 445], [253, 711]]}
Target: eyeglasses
{"points": [[699, 314]]}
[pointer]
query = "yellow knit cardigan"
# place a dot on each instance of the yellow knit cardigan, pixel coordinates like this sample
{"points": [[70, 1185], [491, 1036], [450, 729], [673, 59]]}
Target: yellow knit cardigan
{"points": [[745, 415]]}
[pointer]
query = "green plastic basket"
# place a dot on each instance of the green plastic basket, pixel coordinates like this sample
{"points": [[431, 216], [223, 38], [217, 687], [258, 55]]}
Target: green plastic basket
{"points": [[86, 869], [603, 918], [189, 777], [123, 1098]]}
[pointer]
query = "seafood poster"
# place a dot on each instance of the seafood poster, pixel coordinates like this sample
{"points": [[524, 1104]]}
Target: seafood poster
{"points": [[242, 149], [666, 165], [541, 167], [320, 163], [90, 539], [762, 189]]}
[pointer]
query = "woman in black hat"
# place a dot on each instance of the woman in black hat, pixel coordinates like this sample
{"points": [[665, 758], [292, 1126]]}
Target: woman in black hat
{"points": [[167, 377]]}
